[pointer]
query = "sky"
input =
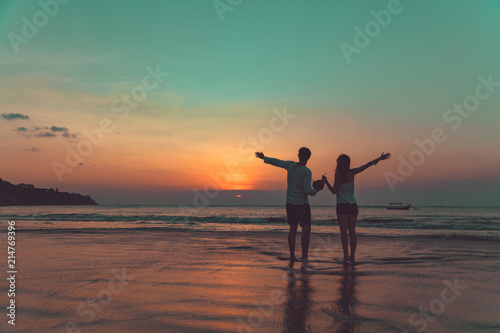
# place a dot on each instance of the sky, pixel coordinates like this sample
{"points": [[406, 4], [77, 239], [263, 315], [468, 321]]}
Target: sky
{"points": [[163, 102]]}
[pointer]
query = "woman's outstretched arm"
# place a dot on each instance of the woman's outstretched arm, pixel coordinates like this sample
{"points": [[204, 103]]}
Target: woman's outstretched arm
{"points": [[382, 157]]}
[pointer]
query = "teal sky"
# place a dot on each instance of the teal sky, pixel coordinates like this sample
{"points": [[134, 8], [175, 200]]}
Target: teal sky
{"points": [[230, 74]]}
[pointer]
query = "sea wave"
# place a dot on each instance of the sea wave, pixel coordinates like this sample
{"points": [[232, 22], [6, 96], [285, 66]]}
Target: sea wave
{"points": [[415, 222], [452, 235]]}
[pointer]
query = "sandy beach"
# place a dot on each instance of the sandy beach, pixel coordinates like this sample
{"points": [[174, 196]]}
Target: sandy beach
{"points": [[176, 281]]}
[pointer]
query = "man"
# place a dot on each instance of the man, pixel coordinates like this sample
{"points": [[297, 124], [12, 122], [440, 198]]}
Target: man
{"points": [[298, 210]]}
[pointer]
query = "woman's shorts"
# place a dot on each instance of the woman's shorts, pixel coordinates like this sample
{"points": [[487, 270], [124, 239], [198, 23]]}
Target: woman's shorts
{"points": [[347, 208]]}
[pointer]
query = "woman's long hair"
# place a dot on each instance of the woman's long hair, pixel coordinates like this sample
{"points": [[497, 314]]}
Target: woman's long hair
{"points": [[343, 167]]}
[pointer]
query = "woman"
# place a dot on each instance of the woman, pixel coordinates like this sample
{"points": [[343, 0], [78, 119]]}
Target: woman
{"points": [[347, 209]]}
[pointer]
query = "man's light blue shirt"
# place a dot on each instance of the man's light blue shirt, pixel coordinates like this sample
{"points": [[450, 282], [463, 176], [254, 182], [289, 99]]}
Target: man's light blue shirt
{"points": [[299, 180]]}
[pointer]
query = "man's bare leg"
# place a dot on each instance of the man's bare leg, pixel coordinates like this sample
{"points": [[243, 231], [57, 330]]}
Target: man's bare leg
{"points": [[291, 241]]}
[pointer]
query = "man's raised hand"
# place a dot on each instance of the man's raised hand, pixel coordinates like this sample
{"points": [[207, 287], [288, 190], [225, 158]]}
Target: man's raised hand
{"points": [[259, 155]]}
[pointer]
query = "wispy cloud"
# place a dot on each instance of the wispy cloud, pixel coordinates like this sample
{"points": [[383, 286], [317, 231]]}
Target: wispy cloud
{"points": [[58, 129], [69, 135], [12, 116], [45, 132]]}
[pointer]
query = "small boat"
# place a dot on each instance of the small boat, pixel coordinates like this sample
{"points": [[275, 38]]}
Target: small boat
{"points": [[398, 206]]}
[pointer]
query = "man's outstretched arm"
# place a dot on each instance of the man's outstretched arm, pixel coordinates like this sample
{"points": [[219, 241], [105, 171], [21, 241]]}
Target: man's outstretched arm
{"points": [[273, 161]]}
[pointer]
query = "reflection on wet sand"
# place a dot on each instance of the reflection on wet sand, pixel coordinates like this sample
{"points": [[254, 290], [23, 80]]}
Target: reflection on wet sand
{"points": [[343, 309], [298, 303]]}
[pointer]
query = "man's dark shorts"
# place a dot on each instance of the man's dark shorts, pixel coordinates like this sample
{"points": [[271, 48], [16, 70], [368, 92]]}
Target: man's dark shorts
{"points": [[298, 214]]}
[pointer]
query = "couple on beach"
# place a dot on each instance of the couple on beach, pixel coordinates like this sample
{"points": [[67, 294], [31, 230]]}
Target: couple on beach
{"points": [[298, 211]]}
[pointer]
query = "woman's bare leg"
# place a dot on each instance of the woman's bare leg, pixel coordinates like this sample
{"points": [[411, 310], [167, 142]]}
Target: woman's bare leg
{"points": [[343, 222], [351, 225]]}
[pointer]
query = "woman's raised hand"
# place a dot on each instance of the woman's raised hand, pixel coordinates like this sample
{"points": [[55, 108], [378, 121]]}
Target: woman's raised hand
{"points": [[384, 156]]}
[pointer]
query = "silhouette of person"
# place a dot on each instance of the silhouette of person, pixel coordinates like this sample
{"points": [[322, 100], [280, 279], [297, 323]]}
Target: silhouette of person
{"points": [[298, 210], [347, 209]]}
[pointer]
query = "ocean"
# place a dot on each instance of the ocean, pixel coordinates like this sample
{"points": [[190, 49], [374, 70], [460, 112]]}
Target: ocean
{"points": [[458, 222]]}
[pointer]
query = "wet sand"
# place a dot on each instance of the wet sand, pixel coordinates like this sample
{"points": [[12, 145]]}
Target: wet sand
{"points": [[176, 281]]}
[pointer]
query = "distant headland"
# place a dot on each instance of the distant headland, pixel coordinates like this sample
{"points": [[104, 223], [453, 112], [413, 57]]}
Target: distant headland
{"points": [[29, 195]]}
